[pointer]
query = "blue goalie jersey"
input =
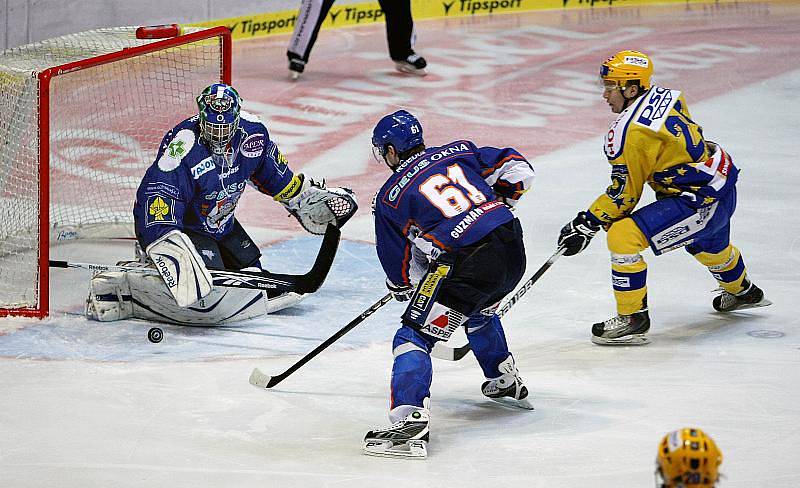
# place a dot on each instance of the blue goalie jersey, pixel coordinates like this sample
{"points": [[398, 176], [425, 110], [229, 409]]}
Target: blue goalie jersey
{"points": [[443, 199], [189, 188]]}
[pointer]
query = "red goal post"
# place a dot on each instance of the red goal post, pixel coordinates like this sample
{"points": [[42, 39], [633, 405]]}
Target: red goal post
{"points": [[81, 118]]}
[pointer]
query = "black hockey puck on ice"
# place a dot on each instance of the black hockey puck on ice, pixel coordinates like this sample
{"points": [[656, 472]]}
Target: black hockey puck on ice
{"points": [[155, 335]]}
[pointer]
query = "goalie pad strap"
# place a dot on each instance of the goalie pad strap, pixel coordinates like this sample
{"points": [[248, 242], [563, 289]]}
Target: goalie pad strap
{"points": [[181, 267]]}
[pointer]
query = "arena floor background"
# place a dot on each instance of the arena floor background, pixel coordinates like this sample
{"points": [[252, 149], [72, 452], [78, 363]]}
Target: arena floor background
{"points": [[86, 404]]}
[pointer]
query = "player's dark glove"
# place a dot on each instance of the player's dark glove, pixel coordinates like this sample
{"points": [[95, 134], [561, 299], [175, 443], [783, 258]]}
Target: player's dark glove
{"points": [[576, 235], [401, 293]]}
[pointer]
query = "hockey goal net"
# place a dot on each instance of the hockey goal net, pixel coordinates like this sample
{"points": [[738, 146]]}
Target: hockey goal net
{"points": [[81, 118]]}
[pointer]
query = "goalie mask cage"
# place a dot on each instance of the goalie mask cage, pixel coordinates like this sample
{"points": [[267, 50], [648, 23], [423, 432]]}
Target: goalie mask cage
{"points": [[81, 119]]}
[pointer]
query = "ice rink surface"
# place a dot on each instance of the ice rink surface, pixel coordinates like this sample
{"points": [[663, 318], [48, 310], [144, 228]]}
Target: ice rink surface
{"points": [[87, 404]]}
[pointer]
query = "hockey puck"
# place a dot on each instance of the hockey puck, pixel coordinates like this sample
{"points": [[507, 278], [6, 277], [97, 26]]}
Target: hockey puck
{"points": [[155, 335]]}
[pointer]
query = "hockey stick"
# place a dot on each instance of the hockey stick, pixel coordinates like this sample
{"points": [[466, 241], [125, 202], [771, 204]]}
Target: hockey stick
{"points": [[254, 280], [454, 354], [261, 380]]}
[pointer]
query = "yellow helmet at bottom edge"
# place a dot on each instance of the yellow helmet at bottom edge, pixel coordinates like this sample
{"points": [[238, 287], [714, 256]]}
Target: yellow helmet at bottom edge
{"points": [[687, 458]]}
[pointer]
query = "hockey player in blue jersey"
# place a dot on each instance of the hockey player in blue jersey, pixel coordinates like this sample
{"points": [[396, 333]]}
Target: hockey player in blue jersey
{"points": [[654, 140], [450, 245], [184, 218]]}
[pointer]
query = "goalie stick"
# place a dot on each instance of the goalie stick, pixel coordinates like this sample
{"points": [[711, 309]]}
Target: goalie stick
{"points": [[454, 354], [261, 380], [254, 280]]}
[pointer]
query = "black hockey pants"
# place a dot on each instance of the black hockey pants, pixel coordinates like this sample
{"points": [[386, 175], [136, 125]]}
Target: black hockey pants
{"points": [[234, 251], [484, 272], [399, 27]]}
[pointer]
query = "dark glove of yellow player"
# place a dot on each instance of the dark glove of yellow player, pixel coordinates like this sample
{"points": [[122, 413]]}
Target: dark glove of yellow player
{"points": [[576, 235], [401, 293]]}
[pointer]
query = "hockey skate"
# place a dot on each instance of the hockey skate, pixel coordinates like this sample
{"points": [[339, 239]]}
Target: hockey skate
{"points": [[414, 64], [751, 297], [508, 389], [623, 330], [296, 67], [407, 438]]}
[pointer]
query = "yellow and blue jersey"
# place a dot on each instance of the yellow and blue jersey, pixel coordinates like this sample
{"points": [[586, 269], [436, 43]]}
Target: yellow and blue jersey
{"points": [[655, 141]]}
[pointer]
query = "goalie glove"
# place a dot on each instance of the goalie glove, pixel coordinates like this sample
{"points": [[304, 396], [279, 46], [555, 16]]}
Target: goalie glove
{"points": [[181, 267], [315, 206]]}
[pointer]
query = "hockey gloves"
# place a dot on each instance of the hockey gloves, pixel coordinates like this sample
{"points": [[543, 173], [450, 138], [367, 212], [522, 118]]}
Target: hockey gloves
{"points": [[576, 235], [315, 206], [401, 293]]}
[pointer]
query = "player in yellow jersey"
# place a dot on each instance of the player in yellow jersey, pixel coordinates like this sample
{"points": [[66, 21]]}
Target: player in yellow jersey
{"points": [[687, 458], [655, 141]]}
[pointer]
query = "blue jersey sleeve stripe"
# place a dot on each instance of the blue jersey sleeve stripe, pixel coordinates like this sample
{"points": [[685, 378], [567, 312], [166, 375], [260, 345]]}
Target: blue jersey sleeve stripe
{"points": [[406, 263]]}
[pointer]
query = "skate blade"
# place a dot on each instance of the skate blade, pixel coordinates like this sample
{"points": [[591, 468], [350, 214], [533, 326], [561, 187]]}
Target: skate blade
{"points": [[410, 71], [416, 449], [513, 403], [631, 340], [763, 303]]}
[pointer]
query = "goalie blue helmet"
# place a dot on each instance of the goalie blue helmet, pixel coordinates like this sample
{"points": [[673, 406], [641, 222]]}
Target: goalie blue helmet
{"points": [[219, 106], [400, 129]]}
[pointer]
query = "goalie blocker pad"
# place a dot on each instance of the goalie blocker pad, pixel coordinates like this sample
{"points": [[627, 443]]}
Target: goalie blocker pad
{"points": [[181, 267], [426, 314], [315, 206]]}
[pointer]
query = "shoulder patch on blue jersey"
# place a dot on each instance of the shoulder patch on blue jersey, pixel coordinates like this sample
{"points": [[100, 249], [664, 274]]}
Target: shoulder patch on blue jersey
{"points": [[202, 168], [176, 149], [253, 146], [160, 210], [655, 109]]}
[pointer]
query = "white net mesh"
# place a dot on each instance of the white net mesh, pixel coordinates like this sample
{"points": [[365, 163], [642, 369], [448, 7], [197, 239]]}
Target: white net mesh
{"points": [[106, 123]]}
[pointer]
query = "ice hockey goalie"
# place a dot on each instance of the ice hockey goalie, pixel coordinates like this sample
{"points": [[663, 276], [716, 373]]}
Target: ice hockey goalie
{"points": [[185, 223]]}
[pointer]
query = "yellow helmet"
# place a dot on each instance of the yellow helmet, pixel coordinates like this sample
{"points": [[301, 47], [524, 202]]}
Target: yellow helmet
{"points": [[687, 458], [626, 66]]}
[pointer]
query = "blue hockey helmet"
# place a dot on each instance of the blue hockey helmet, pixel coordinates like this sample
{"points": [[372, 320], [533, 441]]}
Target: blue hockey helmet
{"points": [[400, 129], [219, 105]]}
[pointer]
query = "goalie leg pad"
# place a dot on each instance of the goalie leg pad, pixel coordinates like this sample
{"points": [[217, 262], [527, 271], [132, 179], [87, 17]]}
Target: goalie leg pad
{"points": [[181, 267], [115, 295], [152, 301], [109, 297]]}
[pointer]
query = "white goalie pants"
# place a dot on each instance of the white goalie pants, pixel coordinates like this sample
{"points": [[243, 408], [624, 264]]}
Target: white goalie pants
{"points": [[115, 295]]}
